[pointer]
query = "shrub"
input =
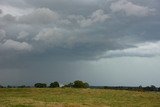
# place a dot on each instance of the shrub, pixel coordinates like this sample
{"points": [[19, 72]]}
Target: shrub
{"points": [[40, 85], [54, 84], [80, 84]]}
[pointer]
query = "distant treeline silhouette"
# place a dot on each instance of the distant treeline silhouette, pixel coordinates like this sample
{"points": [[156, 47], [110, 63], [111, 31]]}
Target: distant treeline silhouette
{"points": [[81, 84], [139, 88], [75, 84]]}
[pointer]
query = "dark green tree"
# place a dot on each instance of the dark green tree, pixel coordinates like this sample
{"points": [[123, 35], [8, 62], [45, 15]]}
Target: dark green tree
{"points": [[86, 85], [1, 86], [40, 85], [153, 88], [80, 84], [9, 86], [54, 84]]}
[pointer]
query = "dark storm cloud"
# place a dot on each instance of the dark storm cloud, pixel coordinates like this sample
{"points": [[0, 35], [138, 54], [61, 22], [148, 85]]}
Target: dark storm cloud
{"points": [[86, 29], [34, 31]]}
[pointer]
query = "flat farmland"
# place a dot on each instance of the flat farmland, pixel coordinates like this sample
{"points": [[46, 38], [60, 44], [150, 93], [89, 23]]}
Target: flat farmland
{"points": [[71, 97]]}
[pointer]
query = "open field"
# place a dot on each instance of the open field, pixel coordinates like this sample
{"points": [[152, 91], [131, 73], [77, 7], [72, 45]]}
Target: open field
{"points": [[66, 97]]}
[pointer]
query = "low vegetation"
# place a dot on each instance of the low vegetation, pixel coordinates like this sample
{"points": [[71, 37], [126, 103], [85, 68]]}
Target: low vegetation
{"points": [[76, 97]]}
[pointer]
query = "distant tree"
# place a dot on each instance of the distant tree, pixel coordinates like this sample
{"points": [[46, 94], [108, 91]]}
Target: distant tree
{"points": [[40, 85], [86, 85], [54, 84], [69, 85], [22, 86], [1, 86], [147, 88], [150, 88], [9, 86], [80, 84], [153, 88], [140, 88]]}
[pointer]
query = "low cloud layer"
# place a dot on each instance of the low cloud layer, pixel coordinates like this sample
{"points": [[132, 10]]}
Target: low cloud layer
{"points": [[148, 49]]}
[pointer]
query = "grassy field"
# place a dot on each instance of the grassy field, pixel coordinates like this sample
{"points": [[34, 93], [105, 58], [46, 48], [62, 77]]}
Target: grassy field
{"points": [[66, 97]]}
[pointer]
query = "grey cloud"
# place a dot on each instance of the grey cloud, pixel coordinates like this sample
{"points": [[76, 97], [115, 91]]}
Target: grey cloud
{"points": [[97, 16], [46, 30], [46, 38], [22, 35], [8, 18], [10, 45], [130, 9], [50, 37], [1, 11], [15, 3], [50, 29], [147, 49], [66, 7], [2, 34], [39, 16]]}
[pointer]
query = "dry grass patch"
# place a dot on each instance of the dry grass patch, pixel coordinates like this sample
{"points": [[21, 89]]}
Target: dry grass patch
{"points": [[67, 97]]}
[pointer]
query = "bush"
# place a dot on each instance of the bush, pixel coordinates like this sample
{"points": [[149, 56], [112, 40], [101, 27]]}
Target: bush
{"points": [[22, 86], [80, 84], [54, 84], [86, 85], [40, 85], [1, 86]]}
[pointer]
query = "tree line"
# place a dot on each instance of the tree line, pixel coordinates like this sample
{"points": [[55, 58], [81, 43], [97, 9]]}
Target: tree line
{"points": [[81, 84], [75, 84], [139, 88]]}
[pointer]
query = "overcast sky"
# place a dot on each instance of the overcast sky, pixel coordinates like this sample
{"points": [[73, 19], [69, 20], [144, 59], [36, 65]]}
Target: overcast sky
{"points": [[102, 42]]}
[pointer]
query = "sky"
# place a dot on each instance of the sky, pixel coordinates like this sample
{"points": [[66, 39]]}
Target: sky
{"points": [[102, 42]]}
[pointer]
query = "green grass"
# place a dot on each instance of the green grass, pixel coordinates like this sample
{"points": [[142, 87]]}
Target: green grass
{"points": [[66, 97]]}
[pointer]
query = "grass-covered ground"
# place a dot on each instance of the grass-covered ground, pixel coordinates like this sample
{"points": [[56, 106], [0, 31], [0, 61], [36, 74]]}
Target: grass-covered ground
{"points": [[66, 97]]}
